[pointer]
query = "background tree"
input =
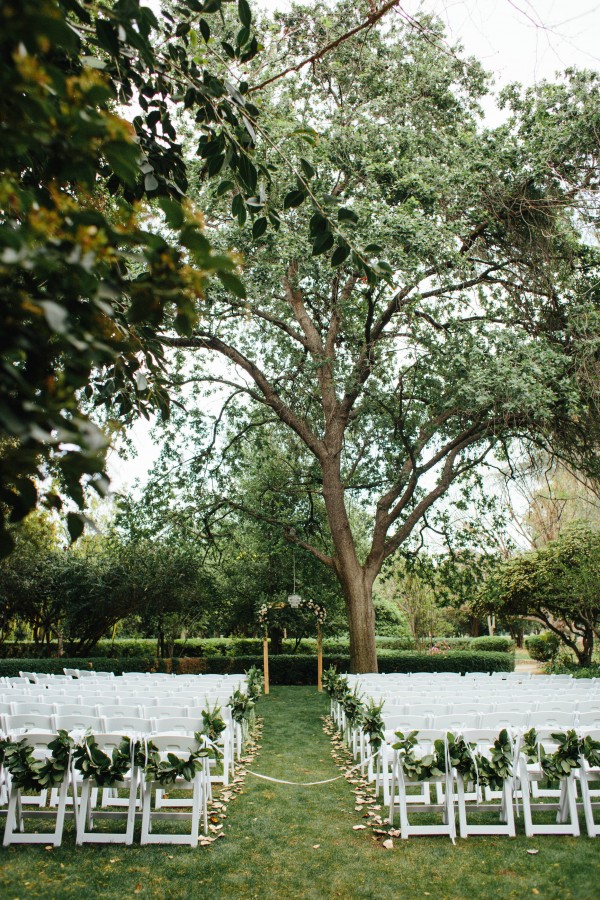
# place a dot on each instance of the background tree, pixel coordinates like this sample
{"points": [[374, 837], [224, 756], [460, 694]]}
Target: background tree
{"points": [[420, 307], [559, 585]]}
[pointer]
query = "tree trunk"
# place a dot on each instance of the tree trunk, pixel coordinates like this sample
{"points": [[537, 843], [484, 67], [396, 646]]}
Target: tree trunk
{"points": [[585, 656], [356, 584], [357, 590]]}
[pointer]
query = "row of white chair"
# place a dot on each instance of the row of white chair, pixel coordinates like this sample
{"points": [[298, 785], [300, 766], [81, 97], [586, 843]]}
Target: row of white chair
{"points": [[82, 799], [520, 786]]}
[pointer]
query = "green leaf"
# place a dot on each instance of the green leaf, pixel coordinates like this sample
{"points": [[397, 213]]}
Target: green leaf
{"points": [[347, 215], [259, 227], [173, 212], [318, 224], [228, 49], [123, 158], [293, 199], [322, 243], [248, 173], [308, 170], [224, 187], [244, 13], [205, 30], [339, 255], [75, 524], [233, 284]]}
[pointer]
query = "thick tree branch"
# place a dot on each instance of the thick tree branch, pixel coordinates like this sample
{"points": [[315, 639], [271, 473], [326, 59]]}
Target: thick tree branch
{"points": [[371, 19], [269, 394]]}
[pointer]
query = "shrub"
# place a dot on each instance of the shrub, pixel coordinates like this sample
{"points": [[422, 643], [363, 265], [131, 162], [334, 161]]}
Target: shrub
{"points": [[11, 667], [543, 647], [495, 644], [283, 669]]}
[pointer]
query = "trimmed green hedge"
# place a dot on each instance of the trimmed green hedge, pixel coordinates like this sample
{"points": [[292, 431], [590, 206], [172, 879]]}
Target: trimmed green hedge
{"points": [[283, 669], [209, 647]]}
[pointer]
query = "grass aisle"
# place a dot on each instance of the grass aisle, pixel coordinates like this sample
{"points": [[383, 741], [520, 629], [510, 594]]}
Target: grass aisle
{"points": [[271, 832]]}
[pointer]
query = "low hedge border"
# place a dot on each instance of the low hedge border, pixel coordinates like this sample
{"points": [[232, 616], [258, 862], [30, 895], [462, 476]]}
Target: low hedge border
{"points": [[283, 669], [209, 647]]}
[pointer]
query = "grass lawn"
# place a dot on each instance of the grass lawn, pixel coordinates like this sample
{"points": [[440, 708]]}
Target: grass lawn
{"points": [[271, 831]]}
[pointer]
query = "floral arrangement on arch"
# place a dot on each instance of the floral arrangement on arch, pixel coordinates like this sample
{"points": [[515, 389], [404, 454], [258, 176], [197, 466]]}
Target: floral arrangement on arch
{"points": [[318, 609]]}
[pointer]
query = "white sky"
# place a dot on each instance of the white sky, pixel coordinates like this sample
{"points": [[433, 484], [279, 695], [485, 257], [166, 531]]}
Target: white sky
{"points": [[516, 40]]}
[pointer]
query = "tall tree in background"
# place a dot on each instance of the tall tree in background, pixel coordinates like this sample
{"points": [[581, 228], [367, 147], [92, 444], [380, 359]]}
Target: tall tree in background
{"points": [[425, 299]]}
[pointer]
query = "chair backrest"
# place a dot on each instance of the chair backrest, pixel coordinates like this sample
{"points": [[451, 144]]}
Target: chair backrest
{"points": [[114, 710], [127, 725], [177, 725], [28, 722], [161, 712], [78, 721], [589, 719], [457, 721], [499, 720], [32, 707], [169, 742], [555, 720], [404, 723]]}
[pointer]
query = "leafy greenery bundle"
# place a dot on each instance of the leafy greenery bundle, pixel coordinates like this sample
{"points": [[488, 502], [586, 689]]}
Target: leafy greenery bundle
{"points": [[420, 768], [330, 680], [570, 748], [486, 770], [372, 723], [167, 771], [353, 706], [31, 774], [106, 770], [213, 724], [256, 683], [242, 706]]}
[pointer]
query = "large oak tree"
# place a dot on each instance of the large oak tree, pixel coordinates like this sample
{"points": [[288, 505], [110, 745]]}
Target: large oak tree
{"points": [[426, 298]]}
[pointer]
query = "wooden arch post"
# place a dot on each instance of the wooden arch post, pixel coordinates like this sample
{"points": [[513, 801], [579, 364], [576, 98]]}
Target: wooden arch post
{"points": [[319, 658], [266, 661]]}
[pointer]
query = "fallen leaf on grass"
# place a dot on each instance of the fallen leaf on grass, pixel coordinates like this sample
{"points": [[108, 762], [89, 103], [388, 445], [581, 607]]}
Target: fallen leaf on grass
{"points": [[138, 888]]}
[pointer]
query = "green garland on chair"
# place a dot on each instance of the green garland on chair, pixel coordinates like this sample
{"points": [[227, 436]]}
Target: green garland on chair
{"points": [[213, 724], [420, 768], [488, 771], [372, 723], [106, 770], [570, 748], [353, 706], [241, 705], [31, 774], [166, 772]]}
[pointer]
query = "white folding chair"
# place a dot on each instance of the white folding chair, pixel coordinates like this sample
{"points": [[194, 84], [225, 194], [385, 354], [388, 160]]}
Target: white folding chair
{"points": [[181, 746], [85, 818], [484, 744], [14, 830], [406, 802], [587, 774], [567, 821]]}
